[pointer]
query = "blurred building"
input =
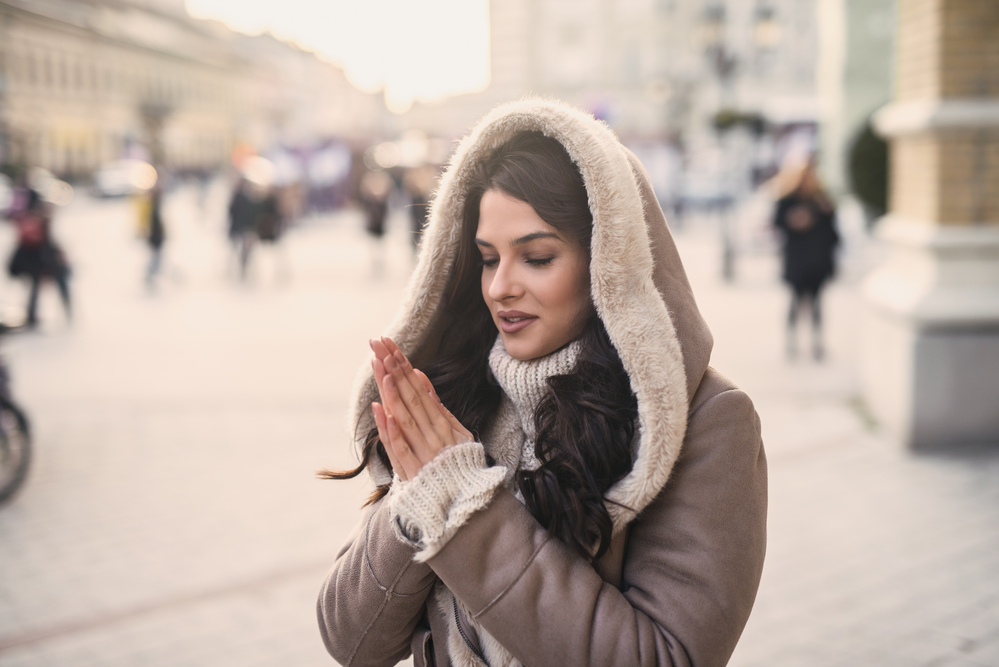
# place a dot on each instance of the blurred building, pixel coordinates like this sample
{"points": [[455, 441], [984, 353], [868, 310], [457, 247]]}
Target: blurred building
{"points": [[931, 364], [84, 82], [652, 68], [855, 77]]}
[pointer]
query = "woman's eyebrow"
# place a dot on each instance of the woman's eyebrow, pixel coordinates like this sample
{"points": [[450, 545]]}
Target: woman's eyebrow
{"points": [[536, 235], [527, 238]]}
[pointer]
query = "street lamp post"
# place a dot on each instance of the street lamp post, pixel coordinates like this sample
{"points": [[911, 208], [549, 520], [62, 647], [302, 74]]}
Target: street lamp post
{"points": [[724, 64]]}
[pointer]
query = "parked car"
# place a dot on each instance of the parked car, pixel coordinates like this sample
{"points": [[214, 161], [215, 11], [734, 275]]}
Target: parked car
{"points": [[123, 177]]}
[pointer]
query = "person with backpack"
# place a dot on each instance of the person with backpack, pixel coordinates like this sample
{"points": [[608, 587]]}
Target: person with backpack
{"points": [[37, 257]]}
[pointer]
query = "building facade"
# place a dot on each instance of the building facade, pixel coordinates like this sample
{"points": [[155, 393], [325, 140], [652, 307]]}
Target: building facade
{"points": [[652, 68], [84, 82], [931, 364], [855, 77]]}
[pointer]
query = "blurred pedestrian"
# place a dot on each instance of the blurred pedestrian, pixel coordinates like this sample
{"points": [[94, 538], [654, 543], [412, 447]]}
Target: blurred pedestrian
{"points": [[36, 256], [270, 222], [244, 208], [806, 221], [253, 203], [269, 229], [155, 234], [374, 190]]}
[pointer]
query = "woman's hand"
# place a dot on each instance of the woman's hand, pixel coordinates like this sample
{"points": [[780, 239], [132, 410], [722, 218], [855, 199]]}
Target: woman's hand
{"points": [[412, 423]]}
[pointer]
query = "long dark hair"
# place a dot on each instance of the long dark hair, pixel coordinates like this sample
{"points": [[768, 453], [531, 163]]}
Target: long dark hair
{"points": [[586, 422]]}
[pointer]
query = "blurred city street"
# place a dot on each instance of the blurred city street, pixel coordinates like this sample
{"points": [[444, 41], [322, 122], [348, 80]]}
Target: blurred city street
{"points": [[235, 187], [172, 515]]}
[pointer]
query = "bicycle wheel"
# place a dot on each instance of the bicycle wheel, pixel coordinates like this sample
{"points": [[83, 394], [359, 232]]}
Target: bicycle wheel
{"points": [[15, 448]]}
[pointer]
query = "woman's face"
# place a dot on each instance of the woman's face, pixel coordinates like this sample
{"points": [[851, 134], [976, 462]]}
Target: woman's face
{"points": [[535, 281]]}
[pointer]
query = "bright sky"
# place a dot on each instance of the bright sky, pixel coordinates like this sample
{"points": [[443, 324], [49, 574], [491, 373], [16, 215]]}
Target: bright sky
{"points": [[413, 49]]}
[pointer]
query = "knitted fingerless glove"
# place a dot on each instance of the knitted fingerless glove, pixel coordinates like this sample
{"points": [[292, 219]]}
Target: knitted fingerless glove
{"points": [[428, 509]]}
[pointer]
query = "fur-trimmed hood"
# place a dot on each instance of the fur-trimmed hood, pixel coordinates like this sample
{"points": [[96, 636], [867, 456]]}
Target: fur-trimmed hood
{"points": [[638, 287]]}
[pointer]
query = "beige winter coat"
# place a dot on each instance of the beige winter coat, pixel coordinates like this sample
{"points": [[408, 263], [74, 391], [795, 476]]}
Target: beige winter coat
{"points": [[678, 584]]}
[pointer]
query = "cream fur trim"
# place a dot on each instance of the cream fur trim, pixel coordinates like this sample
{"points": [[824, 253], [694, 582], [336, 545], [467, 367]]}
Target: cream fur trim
{"points": [[461, 655], [623, 291], [459, 652]]}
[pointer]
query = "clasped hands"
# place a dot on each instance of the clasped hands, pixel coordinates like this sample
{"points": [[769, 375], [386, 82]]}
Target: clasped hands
{"points": [[412, 423]]}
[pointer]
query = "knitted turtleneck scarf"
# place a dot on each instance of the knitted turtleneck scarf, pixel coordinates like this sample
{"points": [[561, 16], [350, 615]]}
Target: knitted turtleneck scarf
{"points": [[526, 383]]}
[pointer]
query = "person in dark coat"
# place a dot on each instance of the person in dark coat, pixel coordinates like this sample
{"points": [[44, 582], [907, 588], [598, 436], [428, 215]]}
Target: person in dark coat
{"points": [[375, 189], [270, 227], [37, 257], [244, 210], [806, 221], [270, 222], [155, 236]]}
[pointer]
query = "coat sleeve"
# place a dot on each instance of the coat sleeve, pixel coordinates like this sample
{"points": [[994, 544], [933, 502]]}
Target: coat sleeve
{"points": [[691, 569], [374, 596]]}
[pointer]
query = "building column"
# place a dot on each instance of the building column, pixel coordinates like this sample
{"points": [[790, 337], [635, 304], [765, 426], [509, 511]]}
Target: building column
{"points": [[931, 357]]}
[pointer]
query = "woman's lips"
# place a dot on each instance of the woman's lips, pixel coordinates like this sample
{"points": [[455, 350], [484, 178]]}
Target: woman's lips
{"points": [[514, 321]]}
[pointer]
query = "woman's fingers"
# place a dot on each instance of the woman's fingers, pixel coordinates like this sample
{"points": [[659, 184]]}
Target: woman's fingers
{"points": [[411, 431], [378, 347], [381, 423], [408, 460], [435, 429], [378, 369], [448, 428], [415, 413], [428, 385], [409, 443], [416, 425], [389, 344], [452, 421]]}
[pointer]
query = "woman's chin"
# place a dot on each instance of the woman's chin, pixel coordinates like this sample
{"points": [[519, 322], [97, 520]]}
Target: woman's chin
{"points": [[516, 347], [524, 350]]}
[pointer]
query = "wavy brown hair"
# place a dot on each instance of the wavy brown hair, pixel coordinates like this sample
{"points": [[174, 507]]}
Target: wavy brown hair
{"points": [[585, 423]]}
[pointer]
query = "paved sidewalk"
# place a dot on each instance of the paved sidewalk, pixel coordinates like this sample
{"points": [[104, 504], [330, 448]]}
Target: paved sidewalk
{"points": [[172, 517], [876, 555]]}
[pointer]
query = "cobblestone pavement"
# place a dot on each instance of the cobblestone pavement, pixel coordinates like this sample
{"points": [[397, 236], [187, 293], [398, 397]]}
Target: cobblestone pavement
{"points": [[172, 516]]}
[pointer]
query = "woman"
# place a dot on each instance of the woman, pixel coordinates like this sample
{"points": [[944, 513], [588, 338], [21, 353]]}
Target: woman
{"points": [[592, 493], [806, 220]]}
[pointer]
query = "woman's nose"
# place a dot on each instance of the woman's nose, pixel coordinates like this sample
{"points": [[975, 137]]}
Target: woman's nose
{"points": [[504, 283]]}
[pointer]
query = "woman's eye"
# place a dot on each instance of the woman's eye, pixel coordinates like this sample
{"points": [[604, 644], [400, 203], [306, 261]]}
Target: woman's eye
{"points": [[490, 262], [539, 261]]}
